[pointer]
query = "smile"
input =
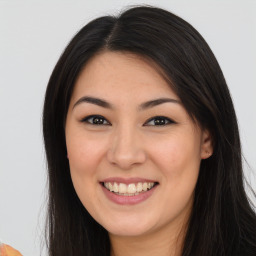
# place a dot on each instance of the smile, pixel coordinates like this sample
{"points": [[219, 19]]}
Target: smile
{"points": [[131, 189], [128, 191]]}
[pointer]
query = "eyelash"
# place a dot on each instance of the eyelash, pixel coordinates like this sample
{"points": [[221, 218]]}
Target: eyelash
{"points": [[167, 121]]}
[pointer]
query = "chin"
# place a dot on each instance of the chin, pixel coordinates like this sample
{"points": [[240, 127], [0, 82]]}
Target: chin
{"points": [[128, 228], [132, 232]]}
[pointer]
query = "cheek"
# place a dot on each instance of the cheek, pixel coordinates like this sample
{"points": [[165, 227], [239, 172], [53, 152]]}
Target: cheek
{"points": [[178, 156], [178, 161], [84, 154], [84, 158]]}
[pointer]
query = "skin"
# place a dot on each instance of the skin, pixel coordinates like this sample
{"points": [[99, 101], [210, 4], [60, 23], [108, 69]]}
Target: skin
{"points": [[128, 145]]}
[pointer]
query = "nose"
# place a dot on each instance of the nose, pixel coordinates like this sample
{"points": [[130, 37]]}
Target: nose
{"points": [[126, 149]]}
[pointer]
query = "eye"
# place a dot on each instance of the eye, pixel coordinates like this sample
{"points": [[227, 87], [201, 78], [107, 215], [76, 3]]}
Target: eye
{"points": [[159, 121], [95, 120]]}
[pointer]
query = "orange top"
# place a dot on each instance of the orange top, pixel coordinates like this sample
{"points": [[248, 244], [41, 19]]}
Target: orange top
{"points": [[6, 250]]}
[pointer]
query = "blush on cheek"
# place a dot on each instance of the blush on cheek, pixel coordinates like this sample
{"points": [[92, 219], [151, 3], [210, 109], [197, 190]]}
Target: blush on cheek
{"points": [[170, 155], [177, 161], [83, 159], [81, 168]]}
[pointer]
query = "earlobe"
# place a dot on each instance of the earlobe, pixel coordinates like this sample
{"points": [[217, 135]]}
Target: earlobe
{"points": [[207, 145], [206, 154]]}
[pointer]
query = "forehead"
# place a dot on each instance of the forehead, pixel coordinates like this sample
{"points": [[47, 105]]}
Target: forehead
{"points": [[110, 74]]}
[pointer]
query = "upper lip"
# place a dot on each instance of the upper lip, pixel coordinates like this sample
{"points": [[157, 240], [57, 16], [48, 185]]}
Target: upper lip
{"points": [[126, 180]]}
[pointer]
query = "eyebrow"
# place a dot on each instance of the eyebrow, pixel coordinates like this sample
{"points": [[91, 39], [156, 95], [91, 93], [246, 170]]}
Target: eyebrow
{"points": [[156, 102], [95, 101], [105, 104]]}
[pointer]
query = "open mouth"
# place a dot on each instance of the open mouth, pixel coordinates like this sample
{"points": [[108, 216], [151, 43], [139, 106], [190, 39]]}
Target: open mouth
{"points": [[131, 189]]}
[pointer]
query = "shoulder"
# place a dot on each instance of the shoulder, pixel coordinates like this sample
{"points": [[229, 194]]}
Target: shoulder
{"points": [[6, 250]]}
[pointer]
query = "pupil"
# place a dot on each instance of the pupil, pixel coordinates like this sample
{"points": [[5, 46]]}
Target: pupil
{"points": [[159, 121], [98, 120]]}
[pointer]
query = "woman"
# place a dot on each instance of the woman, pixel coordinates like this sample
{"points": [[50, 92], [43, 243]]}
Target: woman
{"points": [[142, 144]]}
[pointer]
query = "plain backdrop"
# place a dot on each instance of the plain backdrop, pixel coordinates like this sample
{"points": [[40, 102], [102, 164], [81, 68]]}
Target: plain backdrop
{"points": [[32, 36]]}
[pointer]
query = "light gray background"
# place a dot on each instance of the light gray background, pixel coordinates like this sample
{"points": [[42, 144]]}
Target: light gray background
{"points": [[32, 36]]}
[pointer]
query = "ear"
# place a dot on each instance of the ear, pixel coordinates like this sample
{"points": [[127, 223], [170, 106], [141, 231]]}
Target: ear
{"points": [[206, 145]]}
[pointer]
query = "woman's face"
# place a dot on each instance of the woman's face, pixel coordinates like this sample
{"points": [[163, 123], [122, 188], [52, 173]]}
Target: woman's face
{"points": [[134, 152]]}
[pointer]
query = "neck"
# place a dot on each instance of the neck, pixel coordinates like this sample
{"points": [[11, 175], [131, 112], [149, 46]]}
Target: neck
{"points": [[165, 241]]}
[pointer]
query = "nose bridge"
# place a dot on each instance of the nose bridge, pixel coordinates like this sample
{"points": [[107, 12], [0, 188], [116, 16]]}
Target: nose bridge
{"points": [[126, 148]]}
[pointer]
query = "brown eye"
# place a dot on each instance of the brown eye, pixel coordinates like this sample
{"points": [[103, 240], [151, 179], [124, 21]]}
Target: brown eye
{"points": [[159, 121], [96, 120]]}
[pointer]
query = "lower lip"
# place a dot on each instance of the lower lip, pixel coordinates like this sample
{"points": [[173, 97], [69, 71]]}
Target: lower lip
{"points": [[128, 200]]}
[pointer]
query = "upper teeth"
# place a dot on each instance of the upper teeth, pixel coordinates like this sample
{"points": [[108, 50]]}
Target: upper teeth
{"points": [[128, 188]]}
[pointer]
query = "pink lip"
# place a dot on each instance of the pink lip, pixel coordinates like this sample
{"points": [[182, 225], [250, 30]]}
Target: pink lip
{"points": [[128, 200], [126, 180]]}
